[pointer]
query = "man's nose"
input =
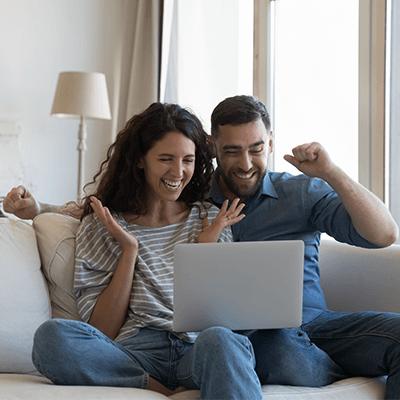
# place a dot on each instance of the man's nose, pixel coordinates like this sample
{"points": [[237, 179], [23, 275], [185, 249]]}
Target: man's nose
{"points": [[245, 163]]}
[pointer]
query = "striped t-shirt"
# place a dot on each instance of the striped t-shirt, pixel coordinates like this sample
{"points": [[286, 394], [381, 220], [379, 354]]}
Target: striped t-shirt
{"points": [[151, 301]]}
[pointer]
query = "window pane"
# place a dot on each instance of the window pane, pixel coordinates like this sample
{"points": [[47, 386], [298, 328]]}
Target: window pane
{"points": [[316, 79], [215, 53]]}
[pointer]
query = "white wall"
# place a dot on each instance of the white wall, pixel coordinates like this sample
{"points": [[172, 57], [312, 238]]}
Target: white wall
{"points": [[39, 39]]}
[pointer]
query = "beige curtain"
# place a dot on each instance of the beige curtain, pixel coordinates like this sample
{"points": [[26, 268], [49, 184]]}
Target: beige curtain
{"points": [[137, 66]]}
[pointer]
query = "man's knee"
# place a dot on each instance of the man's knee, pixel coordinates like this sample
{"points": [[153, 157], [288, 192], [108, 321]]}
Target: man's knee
{"points": [[288, 356]]}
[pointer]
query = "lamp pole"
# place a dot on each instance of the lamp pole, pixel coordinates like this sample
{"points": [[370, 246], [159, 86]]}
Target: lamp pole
{"points": [[82, 134]]}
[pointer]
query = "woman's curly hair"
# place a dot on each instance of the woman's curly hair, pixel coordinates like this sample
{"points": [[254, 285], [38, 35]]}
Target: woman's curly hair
{"points": [[120, 184]]}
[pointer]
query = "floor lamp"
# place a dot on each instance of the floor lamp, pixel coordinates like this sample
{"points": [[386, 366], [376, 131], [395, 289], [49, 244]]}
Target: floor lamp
{"points": [[81, 95]]}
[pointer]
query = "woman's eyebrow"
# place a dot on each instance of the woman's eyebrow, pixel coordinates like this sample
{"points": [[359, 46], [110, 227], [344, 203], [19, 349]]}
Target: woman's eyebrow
{"points": [[173, 155]]}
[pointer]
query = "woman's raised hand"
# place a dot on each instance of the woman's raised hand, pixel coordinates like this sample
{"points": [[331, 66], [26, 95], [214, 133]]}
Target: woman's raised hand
{"points": [[226, 217], [125, 239]]}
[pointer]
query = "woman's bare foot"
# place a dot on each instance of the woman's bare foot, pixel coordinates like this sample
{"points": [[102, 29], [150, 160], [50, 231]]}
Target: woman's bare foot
{"points": [[159, 388]]}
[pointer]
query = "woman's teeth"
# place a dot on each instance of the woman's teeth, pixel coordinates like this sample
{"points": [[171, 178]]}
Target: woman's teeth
{"points": [[172, 184]]}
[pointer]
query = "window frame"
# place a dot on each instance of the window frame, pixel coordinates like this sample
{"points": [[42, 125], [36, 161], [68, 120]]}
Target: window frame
{"points": [[372, 131]]}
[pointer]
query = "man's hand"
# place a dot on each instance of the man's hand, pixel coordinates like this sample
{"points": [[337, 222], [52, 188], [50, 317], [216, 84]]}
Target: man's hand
{"points": [[21, 203], [312, 160], [226, 217]]}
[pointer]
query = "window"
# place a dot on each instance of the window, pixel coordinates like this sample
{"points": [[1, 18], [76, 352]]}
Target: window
{"points": [[316, 79], [328, 63], [215, 53]]}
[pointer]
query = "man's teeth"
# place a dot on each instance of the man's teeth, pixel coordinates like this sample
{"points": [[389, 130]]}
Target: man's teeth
{"points": [[244, 176], [172, 184]]}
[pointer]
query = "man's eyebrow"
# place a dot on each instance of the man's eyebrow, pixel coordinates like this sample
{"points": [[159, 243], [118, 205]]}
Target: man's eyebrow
{"points": [[235, 147], [257, 144]]}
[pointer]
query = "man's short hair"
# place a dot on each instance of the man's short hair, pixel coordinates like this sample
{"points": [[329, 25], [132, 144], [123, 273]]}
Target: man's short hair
{"points": [[238, 110]]}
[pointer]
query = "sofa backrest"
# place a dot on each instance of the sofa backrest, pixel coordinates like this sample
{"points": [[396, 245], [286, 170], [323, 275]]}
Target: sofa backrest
{"points": [[357, 279], [352, 278]]}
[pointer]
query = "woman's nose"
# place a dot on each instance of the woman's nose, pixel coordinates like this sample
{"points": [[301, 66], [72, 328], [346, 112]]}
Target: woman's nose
{"points": [[177, 169]]}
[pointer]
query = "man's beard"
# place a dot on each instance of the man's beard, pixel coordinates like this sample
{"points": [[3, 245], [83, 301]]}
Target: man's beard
{"points": [[234, 188]]}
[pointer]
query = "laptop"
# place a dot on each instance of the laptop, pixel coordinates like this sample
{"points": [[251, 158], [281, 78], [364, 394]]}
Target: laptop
{"points": [[240, 285]]}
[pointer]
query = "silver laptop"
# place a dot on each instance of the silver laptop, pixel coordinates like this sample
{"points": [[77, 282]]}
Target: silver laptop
{"points": [[241, 285]]}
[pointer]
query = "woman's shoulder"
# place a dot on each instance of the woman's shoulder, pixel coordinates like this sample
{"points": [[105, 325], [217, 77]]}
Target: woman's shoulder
{"points": [[92, 227]]}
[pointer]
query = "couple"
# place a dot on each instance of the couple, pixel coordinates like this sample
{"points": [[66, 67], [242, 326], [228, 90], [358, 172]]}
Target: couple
{"points": [[151, 193]]}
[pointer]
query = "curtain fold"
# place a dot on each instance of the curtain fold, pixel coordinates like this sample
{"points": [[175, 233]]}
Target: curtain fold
{"points": [[169, 53], [137, 68]]}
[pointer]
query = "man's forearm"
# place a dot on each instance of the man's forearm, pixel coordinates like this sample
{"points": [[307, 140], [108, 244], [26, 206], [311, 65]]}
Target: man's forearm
{"points": [[48, 208], [369, 215], [71, 208]]}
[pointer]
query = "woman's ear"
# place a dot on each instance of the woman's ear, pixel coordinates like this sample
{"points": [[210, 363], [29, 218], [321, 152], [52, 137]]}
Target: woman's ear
{"points": [[140, 164]]}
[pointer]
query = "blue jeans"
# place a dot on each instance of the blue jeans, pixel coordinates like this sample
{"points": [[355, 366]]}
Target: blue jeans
{"points": [[333, 346], [220, 363]]}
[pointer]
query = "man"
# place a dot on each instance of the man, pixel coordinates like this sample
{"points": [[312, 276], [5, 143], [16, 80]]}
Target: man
{"points": [[328, 346]]}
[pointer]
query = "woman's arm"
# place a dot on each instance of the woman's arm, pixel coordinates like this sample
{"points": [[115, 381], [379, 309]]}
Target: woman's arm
{"points": [[110, 310]]}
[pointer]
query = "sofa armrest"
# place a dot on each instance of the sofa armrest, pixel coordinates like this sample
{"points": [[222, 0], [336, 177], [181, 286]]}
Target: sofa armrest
{"points": [[357, 279]]}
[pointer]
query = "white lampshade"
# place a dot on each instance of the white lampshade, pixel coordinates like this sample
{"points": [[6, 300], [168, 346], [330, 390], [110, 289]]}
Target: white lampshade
{"points": [[81, 94]]}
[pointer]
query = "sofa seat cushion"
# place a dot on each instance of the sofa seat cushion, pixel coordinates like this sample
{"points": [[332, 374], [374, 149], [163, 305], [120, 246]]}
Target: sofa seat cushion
{"points": [[348, 389], [24, 296], [13, 387]]}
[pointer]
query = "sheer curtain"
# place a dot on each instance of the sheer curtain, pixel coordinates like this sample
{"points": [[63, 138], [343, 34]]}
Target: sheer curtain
{"points": [[393, 114]]}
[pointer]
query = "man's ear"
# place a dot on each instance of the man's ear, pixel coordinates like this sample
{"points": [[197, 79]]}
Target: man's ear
{"points": [[212, 146], [271, 143]]}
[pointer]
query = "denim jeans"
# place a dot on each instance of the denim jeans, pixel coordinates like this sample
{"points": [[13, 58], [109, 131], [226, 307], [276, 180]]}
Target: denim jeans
{"points": [[333, 346], [220, 363]]}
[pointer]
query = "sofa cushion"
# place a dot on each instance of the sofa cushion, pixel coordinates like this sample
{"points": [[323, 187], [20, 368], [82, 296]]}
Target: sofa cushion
{"points": [[13, 387], [17, 387], [55, 235], [24, 296]]}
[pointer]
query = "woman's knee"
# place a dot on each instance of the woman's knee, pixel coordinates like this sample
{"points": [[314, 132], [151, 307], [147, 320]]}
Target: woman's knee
{"points": [[222, 342], [56, 337]]}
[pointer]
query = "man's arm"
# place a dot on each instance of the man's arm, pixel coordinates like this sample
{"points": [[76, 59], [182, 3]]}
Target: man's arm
{"points": [[369, 215], [20, 202]]}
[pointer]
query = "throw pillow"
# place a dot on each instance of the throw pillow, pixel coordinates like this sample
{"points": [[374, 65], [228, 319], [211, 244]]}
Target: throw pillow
{"points": [[55, 234]]}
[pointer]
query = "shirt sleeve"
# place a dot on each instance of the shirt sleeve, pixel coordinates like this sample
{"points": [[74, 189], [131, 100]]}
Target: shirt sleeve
{"points": [[329, 215], [96, 257]]}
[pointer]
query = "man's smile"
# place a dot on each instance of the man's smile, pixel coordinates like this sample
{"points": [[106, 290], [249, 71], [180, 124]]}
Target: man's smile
{"points": [[243, 176]]}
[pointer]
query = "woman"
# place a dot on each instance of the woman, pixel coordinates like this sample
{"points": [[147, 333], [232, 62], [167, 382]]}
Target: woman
{"points": [[150, 195]]}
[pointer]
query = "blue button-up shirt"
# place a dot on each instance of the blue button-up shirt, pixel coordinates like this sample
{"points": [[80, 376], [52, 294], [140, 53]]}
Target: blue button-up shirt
{"points": [[288, 207]]}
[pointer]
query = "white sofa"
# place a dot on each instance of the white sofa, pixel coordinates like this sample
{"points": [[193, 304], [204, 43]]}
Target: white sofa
{"points": [[36, 265]]}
